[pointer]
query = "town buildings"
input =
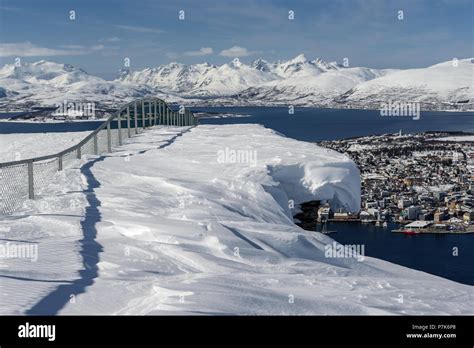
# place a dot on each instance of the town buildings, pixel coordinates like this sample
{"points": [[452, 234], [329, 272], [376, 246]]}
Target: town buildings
{"points": [[414, 177]]}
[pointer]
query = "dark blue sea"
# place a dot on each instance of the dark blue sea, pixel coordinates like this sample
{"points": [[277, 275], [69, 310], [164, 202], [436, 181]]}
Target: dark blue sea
{"points": [[310, 124], [431, 253]]}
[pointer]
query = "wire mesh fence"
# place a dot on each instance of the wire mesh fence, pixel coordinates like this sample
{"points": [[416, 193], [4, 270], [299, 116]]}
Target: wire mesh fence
{"points": [[23, 180], [14, 187], [43, 172]]}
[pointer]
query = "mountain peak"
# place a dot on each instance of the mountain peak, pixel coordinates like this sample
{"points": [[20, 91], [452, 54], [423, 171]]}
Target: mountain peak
{"points": [[325, 65], [260, 64], [124, 72], [236, 63], [300, 58], [41, 62]]}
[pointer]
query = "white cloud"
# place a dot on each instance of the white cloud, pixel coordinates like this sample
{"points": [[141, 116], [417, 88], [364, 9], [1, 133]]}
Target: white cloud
{"points": [[136, 29], [112, 39], [73, 47], [85, 49], [236, 51], [27, 49], [97, 47], [203, 51]]}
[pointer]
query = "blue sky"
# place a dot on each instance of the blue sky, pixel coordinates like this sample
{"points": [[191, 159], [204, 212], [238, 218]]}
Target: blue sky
{"points": [[368, 32]]}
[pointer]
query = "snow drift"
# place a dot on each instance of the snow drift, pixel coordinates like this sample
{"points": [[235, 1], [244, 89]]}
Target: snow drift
{"points": [[168, 225]]}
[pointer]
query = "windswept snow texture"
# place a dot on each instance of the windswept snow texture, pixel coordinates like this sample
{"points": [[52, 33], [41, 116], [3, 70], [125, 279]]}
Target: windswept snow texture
{"points": [[16, 147], [177, 230]]}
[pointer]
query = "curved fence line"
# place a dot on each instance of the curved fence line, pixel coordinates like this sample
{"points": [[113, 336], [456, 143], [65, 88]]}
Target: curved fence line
{"points": [[23, 180]]}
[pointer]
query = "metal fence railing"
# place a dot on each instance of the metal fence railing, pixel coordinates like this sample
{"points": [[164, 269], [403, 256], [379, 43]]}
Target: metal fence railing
{"points": [[23, 180]]}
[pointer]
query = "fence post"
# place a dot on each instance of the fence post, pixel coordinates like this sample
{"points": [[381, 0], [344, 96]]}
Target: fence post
{"points": [[31, 182], [119, 121], [109, 138], [96, 147], [78, 153], [163, 112], [128, 122], [143, 114], [162, 116], [135, 116], [60, 162], [151, 114], [148, 114], [154, 112], [158, 113]]}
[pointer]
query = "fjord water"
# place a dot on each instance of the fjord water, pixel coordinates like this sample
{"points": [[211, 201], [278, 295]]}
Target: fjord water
{"points": [[431, 253], [311, 124], [13, 127]]}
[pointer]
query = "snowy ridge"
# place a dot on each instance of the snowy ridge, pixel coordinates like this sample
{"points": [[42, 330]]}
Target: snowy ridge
{"points": [[200, 80], [47, 83], [306, 88], [298, 81], [181, 232], [438, 84]]}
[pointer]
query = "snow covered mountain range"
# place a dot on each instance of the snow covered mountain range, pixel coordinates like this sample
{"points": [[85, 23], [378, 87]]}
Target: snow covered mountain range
{"points": [[297, 81], [46, 83]]}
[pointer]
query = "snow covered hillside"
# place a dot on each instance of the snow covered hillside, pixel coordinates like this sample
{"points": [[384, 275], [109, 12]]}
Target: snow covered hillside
{"points": [[177, 222], [307, 88], [46, 83], [201, 80], [443, 83]]}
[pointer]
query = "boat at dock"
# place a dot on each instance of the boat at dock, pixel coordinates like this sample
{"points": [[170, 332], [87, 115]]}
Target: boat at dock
{"points": [[410, 232]]}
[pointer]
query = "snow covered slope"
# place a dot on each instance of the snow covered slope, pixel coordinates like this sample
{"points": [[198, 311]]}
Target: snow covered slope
{"points": [[435, 85], [310, 86], [48, 83], [200, 80], [179, 228]]}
